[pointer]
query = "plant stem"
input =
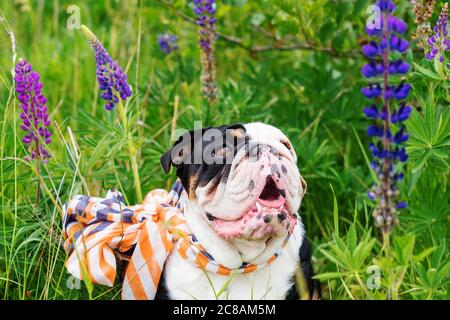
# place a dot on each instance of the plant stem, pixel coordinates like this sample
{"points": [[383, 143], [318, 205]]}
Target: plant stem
{"points": [[123, 115], [387, 252], [132, 151], [134, 167], [38, 167], [362, 285], [385, 228], [38, 191], [386, 140]]}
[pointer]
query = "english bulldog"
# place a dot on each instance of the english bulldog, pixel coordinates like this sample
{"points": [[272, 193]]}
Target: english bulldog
{"points": [[241, 194]]}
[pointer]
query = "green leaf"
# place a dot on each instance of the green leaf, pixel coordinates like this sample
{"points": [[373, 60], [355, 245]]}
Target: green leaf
{"points": [[326, 31], [339, 39], [428, 73], [438, 67], [328, 276], [421, 161], [257, 19], [425, 253], [361, 253], [333, 258], [351, 238], [335, 212], [359, 6], [403, 248]]}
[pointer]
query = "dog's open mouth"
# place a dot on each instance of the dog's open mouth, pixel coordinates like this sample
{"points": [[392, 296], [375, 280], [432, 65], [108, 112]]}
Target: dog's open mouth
{"points": [[265, 218]]}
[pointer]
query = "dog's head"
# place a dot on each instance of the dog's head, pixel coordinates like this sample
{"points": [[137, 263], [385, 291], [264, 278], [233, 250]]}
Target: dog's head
{"points": [[242, 180]]}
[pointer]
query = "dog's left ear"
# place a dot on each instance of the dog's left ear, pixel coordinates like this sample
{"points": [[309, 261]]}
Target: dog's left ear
{"points": [[166, 160], [181, 150], [176, 152]]}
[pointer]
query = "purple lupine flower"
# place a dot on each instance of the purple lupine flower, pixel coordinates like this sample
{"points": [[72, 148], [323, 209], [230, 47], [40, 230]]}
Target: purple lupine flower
{"points": [[439, 42], [167, 42], [111, 79], [387, 131], [34, 115], [205, 11]]}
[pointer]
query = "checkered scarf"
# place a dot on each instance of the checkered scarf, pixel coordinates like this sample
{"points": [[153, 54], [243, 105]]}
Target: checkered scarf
{"points": [[99, 230]]}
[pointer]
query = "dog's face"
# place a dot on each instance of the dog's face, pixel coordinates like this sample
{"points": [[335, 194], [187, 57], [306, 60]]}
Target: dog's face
{"points": [[243, 178]]}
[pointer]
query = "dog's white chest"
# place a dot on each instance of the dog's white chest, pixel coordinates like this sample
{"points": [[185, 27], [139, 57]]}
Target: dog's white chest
{"points": [[185, 281]]}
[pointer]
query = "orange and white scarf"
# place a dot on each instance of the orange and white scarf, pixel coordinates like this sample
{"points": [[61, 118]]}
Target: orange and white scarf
{"points": [[99, 229]]}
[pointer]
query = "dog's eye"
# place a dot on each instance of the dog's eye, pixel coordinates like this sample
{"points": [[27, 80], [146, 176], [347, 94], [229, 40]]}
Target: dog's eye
{"points": [[286, 144], [223, 152]]}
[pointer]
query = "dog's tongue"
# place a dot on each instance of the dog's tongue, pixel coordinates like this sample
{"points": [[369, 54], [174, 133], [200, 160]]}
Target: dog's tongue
{"points": [[254, 218], [273, 203], [228, 229]]}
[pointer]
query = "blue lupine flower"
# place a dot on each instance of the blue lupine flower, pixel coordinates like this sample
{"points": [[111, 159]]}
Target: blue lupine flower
{"points": [[439, 41], [375, 131], [401, 114], [111, 79], [397, 25], [401, 136], [205, 11], [398, 44], [387, 143], [167, 42], [398, 67], [372, 91], [204, 6], [401, 205], [372, 69], [402, 91], [386, 5], [399, 176], [35, 119], [371, 112]]}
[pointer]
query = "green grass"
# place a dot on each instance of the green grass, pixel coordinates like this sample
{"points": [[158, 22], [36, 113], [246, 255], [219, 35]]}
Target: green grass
{"points": [[312, 95]]}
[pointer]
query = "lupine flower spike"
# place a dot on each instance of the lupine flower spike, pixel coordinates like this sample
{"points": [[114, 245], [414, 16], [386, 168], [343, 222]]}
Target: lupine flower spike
{"points": [[422, 10], [388, 111], [34, 115], [115, 89], [111, 79], [205, 11], [167, 43], [439, 42]]}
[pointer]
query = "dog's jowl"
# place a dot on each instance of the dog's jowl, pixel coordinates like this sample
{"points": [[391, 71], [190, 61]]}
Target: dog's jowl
{"points": [[241, 194]]}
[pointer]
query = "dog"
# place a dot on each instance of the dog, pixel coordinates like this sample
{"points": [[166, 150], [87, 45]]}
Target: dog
{"points": [[241, 194]]}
